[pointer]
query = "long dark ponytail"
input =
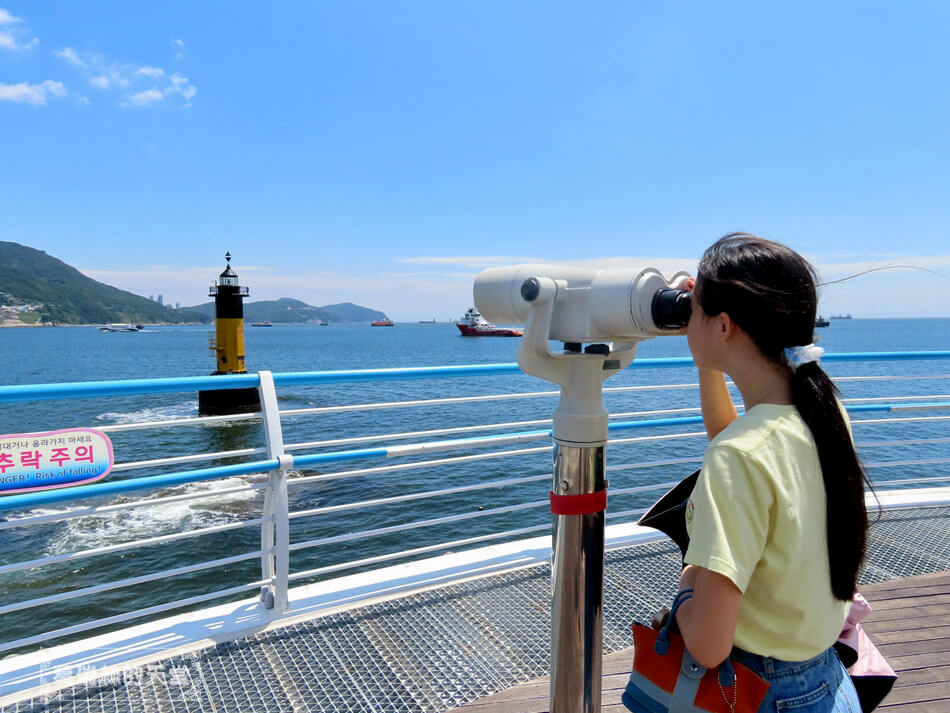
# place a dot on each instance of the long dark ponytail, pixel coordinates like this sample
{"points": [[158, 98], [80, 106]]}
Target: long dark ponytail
{"points": [[769, 291]]}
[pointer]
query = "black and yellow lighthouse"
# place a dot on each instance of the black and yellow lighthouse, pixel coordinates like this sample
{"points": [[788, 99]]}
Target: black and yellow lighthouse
{"points": [[228, 347]]}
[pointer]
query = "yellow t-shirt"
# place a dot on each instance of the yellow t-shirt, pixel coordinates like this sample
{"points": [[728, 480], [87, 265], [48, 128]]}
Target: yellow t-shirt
{"points": [[757, 516]]}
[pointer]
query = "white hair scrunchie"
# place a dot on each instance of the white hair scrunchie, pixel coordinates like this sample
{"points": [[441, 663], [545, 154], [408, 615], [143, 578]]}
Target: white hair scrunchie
{"points": [[799, 356]]}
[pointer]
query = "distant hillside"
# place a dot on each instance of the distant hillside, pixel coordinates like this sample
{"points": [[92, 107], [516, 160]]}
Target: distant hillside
{"points": [[287, 310], [38, 287], [349, 312]]}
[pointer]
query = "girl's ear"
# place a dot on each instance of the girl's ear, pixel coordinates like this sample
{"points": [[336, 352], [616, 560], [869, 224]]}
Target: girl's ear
{"points": [[727, 326]]}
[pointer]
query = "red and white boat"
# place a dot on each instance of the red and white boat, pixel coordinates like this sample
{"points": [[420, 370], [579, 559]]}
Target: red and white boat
{"points": [[474, 325]]}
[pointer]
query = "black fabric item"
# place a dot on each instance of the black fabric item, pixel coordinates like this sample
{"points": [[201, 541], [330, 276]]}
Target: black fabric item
{"points": [[668, 513]]}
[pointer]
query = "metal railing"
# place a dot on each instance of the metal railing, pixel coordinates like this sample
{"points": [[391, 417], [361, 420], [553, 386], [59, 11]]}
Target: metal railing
{"points": [[272, 464]]}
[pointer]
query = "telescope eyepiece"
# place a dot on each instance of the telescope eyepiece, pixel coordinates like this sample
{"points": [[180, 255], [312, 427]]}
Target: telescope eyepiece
{"points": [[530, 289], [671, 308]]}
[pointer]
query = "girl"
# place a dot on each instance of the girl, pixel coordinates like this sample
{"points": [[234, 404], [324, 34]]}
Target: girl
{"points": [[777, 520]]}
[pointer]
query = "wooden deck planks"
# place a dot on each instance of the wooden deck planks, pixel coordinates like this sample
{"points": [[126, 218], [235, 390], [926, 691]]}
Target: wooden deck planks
{"points": [[910, 623]]}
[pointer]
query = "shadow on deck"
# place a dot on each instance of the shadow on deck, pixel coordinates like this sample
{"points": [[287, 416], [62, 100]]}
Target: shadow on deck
{"points": [[910, 623]]}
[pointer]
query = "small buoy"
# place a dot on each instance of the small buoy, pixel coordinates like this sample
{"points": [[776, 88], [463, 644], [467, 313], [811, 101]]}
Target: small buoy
{"points": [[481, 507]]}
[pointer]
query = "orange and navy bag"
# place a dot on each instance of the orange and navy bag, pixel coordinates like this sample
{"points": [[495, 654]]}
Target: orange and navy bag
{"points": [[666, 677]]}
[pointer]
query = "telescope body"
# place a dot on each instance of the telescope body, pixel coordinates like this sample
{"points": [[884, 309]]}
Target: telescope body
{"points": [[591, 305]]}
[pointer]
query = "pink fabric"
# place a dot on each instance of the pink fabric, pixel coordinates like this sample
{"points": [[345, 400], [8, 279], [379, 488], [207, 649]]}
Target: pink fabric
{"points": [[870, 661]]}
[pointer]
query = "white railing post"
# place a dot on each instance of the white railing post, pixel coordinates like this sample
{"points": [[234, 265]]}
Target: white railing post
{"points": [[275, 530]]}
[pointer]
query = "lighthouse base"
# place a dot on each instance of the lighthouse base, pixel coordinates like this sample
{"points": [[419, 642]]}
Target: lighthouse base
{"points": [[222, 402]]}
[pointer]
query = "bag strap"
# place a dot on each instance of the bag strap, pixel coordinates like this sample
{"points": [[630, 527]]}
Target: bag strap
{"points": [[662, 644], [727, 674]]}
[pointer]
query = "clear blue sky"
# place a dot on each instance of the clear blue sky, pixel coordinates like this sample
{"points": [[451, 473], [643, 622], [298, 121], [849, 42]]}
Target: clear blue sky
{"points": [[383, 153]]}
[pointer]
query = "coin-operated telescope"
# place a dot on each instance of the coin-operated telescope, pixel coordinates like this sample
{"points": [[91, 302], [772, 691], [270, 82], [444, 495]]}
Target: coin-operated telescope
{"points": [[611, 311], [590, 305], [601, 316]]}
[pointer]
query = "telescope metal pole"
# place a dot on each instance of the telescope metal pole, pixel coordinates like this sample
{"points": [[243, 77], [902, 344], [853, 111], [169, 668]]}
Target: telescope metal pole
{"points": [[577, 578]]}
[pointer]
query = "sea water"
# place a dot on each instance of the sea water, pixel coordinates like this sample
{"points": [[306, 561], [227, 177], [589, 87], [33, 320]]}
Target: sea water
{"points": [[46, 355]]}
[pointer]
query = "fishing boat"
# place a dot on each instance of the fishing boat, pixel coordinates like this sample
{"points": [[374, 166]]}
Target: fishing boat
{"points": [[273, 615], [820, 322], [474, 325]]}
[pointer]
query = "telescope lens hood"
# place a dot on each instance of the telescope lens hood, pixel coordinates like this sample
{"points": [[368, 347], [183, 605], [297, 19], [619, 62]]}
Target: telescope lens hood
{"points": [[671, 308]]}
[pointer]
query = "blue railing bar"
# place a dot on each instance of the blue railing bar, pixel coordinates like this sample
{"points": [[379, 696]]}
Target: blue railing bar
{"points": [[16, 502], [653, 423], [13, 502], [344, 376], [854, 408], [340, 456], [86, 389], [125, 387], [885, 356]]}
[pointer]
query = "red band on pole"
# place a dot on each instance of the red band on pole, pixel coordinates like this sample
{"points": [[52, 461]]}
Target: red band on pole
{"points": [[578, 504]]}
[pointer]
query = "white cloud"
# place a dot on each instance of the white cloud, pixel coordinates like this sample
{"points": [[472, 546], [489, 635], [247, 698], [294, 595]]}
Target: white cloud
{"points": [[153, 72], [666, 265], [181, 85], [105, 75], [149, 96], [35, 94], [69, 54], [9, 37], [469, 261]]}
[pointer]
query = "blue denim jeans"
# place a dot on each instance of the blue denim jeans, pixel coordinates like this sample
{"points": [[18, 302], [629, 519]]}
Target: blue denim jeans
{"points": [[819, 685]]}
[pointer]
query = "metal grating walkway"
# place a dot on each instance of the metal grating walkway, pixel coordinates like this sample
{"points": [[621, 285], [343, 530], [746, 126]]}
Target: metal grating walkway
{"points": [[437, 649]]}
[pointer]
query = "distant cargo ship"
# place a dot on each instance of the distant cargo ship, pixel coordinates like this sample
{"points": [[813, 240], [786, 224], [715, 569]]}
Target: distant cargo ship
{"points": [[841, 316], [383, 323], [474, 325], [261, 324], [821, 322]]}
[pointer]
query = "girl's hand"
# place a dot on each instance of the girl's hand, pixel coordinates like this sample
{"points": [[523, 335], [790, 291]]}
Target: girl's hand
{"points": [[687, 284]]}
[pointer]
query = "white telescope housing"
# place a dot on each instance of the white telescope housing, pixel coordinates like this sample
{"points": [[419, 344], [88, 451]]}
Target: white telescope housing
{"points": [[591, 305]]}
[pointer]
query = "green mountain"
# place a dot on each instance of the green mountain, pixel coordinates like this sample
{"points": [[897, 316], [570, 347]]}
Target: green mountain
{"points": [[287, 310], [349, 312], [58, 293]]}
